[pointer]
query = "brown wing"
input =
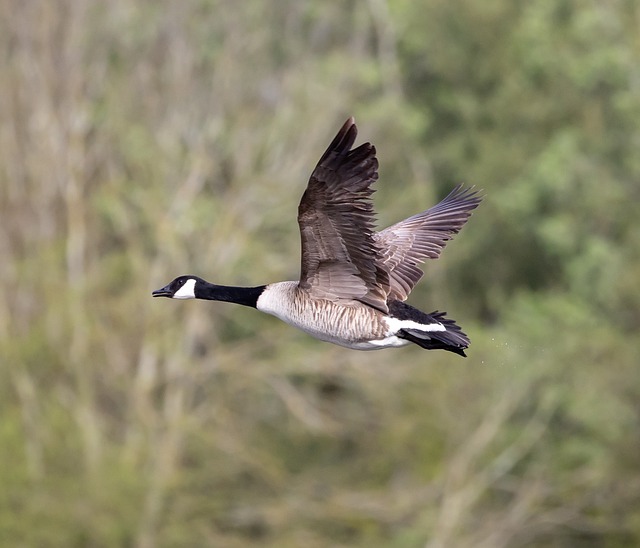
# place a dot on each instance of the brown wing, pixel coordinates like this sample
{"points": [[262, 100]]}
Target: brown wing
{"points": [[339, 253], [423, 236]]}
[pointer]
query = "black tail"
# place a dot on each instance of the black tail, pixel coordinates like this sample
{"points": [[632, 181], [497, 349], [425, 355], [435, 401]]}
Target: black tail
{"points": [[452, 338]]}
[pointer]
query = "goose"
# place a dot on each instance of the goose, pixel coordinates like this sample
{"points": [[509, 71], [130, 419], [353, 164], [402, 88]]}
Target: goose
{"points": [[354, 281]]}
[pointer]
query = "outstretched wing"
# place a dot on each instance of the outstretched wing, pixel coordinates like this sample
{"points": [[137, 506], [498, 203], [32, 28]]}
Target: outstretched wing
{"points": [[335, 215], [408, 243]]}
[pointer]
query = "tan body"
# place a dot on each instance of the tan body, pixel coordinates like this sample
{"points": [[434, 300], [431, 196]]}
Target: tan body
{"points": [[343, 322]]}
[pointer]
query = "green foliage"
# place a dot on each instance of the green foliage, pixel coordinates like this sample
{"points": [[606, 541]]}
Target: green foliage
{"points": [[142, 140]]}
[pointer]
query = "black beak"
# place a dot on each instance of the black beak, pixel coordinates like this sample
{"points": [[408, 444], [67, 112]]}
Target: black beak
{"points": [[164, 292]]}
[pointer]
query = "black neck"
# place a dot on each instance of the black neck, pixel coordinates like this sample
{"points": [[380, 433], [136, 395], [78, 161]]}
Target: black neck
{"points": [[247, 296]]}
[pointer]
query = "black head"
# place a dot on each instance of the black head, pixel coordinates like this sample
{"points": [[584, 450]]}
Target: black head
{"points": [[183, 287]]}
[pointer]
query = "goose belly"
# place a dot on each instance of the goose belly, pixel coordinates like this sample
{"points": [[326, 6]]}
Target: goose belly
{"points": [[351, 324]]}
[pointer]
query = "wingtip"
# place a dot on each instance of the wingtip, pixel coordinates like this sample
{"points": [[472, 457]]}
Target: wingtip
{"points": [[344, 139], [350, 126], [462, 192]]}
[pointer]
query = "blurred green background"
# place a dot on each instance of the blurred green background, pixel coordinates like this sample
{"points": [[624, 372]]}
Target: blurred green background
{"points": [[140, 140]]}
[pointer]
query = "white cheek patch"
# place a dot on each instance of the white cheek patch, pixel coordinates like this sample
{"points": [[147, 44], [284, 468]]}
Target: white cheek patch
{"points": [[187, 291]]}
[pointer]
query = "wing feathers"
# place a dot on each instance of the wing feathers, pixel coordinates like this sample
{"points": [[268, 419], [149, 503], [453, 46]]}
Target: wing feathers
{"points": [[339, 253], [423, 236], [342, 255]]}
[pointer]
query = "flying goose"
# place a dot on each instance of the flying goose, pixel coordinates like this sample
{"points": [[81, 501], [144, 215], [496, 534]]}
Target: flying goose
{"points": [[354, 280]]}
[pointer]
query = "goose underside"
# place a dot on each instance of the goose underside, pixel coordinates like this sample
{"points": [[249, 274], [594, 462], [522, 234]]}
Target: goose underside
{"points": [[354, 325]]}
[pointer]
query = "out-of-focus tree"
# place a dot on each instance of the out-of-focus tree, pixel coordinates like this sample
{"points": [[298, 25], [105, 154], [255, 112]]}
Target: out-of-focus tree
{"points": [[538, 101]]}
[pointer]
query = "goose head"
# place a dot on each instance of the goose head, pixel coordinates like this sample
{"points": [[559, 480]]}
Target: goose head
{"points": [[183, 287]]}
